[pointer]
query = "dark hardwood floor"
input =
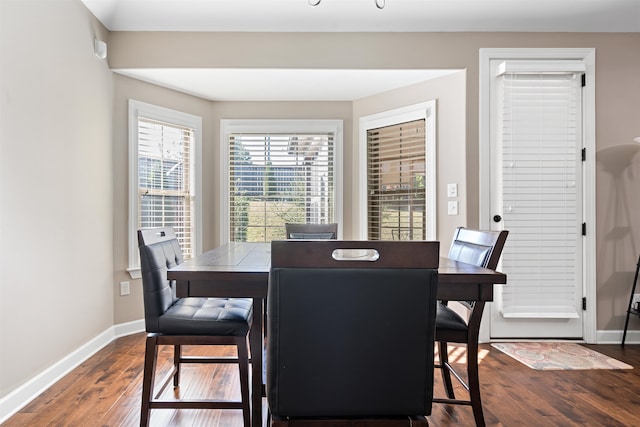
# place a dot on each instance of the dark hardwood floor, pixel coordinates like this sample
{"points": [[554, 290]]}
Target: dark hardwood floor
{"points": [[105, 391]]}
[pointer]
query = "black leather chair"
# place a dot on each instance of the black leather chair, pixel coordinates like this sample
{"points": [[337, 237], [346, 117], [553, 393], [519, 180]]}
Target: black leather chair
{"points": [[351, 332], [312, 231], [186, 321], [480, 248]]}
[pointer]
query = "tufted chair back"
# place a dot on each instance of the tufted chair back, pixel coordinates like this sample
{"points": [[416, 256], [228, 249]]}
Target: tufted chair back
{"points": [[159, 251], [481, 248], [312, 231]]}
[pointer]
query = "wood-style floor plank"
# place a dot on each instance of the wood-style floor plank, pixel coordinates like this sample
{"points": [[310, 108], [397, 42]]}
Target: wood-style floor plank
{"points": [[105, 391]]}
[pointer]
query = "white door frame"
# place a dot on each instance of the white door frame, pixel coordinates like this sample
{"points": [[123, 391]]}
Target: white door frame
{"points": [[589, 245]]}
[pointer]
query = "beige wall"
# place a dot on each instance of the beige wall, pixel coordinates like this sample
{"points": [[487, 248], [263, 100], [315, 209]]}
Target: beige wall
{"points": [[55, 186]]}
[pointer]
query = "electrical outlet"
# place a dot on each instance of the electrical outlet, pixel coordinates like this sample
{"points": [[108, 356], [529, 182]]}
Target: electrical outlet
{"points": [[125, 288]]}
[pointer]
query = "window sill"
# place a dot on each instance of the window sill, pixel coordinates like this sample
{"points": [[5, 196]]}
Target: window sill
{"points": [[134, 272], [543, 312]]}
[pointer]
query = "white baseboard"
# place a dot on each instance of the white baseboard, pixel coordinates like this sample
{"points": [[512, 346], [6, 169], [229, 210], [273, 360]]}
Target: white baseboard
{"points": [[129, 328], [615, 337], [21, 396]]}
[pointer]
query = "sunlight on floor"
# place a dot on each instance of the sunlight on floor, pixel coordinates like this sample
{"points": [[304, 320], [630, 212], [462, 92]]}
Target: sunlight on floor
{"points": [[458, 354]]}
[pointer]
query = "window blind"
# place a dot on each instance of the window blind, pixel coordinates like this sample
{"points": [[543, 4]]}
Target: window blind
{"points": [[276, 178], [541, 175], [165, 178], [396, 189]]}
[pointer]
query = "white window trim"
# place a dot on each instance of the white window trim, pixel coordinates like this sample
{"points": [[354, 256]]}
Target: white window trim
{"points": [[141, 109], [231, 126], [424, 110], [588, 57]]}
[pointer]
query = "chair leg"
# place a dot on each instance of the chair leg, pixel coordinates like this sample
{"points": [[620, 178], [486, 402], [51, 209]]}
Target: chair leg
{"points": [[443, 353], [149, 373], [177, 356], [474, 383], [243, 366]]}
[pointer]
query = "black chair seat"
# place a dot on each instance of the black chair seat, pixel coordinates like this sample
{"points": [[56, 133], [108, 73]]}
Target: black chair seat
{"points": [[207, 316], [449, 320]]}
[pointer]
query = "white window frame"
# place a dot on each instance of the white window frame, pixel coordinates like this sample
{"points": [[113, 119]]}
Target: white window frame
{"points": [[140, 109], [425, 110], [232, 126], [587, 55]]}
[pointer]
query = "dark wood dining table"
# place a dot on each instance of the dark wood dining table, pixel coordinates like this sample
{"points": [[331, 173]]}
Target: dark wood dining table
{"points": [[242, 270]]}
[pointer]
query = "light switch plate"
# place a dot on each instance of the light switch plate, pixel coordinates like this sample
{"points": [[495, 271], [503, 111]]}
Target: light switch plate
{"points": [[452, 190], [453, 207], [635, 300]]}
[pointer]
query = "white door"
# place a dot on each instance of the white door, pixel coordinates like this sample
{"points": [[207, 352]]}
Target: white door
{"points": [[536, 178]]}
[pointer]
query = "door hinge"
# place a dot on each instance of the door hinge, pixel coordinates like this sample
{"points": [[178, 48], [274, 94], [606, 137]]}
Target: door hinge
{"points": [[584, 154], [584, 80], [584, 228], [584, 303]]}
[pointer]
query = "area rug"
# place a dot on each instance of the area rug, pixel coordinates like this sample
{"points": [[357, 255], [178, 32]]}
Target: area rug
{"points": [[558, 356]]}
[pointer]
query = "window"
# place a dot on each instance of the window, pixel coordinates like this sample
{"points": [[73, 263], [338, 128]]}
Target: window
{"points": [[279, 172], [163, 175], [395, 183], [400, 174]]}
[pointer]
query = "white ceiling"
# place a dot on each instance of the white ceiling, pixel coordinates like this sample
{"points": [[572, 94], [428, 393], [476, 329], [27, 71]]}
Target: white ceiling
{"points": [[362, 15], [342, 16], [282, 84]]}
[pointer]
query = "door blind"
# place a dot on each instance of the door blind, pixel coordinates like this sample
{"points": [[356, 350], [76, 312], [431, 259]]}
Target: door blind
{"points": [[396, 189], [541, 176], [165, 179], [279, 178]]}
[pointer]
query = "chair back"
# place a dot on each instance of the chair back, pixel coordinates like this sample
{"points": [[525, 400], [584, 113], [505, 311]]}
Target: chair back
{"points": [[312, 231], [159, 251], [351, 328], [478, 247]]}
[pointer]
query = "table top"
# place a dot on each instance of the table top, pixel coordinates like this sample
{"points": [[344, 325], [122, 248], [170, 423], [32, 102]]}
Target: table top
{"points": [[249, 264], [240, 257]]}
